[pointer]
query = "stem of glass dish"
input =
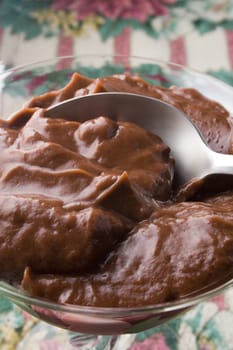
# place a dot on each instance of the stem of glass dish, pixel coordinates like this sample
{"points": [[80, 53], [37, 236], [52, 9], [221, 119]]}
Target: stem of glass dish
{"points": [[94, 342]]}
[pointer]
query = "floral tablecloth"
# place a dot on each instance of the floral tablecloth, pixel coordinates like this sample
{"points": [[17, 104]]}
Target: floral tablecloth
{"points": [[198, 34]]}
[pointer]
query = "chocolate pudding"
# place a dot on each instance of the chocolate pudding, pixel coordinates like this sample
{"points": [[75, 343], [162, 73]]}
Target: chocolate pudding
{"points": [[89, 215]]}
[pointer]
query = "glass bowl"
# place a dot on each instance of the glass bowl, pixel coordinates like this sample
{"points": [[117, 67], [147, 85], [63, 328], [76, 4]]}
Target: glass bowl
{"points": [[17, 86]]}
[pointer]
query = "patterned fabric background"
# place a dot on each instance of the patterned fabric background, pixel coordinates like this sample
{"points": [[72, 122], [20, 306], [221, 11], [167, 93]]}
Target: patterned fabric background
{"points": [[198, 34], [182, 31]]}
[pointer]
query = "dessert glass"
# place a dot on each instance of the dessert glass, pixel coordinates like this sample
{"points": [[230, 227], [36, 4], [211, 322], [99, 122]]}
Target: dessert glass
{"points": [[17, 86]]}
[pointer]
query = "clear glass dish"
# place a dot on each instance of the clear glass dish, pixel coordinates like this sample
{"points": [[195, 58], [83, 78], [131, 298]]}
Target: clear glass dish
{"points": [[16, 87]]}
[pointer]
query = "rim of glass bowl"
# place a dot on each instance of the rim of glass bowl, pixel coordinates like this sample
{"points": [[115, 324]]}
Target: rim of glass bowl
{"points": [[99, 56], [225, 98], [17, 295], [109, 56]]}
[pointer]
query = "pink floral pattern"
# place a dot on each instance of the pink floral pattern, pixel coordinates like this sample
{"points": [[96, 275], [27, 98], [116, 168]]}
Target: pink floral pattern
{"points": [[209, 325], [124, 9], [156, 342]]}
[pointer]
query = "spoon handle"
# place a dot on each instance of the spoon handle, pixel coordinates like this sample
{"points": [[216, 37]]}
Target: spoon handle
{"points": [[221, 163]]}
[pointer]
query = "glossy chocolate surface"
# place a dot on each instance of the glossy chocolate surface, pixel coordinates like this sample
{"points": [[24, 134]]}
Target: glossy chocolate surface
{"points": [[88, 211]]}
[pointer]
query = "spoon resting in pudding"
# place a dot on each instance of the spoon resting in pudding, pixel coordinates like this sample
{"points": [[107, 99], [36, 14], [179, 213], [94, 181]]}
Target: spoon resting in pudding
{"points": [[193, 158]]}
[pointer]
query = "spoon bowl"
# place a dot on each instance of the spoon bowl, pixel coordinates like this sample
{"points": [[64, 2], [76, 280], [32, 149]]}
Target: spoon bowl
{"points": [[193, 158]]}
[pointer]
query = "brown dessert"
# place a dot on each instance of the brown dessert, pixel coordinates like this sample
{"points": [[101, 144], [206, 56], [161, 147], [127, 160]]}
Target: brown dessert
{"points": [[88, 213]]}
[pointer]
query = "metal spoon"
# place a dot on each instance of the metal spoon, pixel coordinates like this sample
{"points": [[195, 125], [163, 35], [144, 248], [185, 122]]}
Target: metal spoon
{"points": [[193, 158]]}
